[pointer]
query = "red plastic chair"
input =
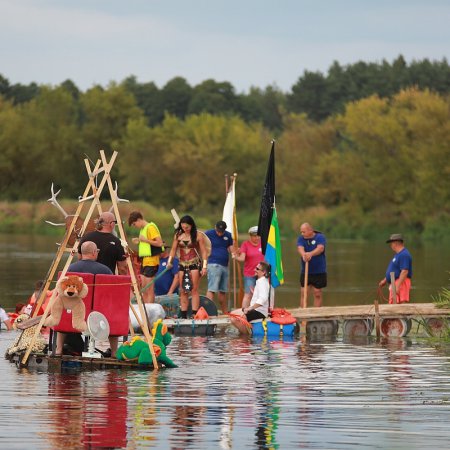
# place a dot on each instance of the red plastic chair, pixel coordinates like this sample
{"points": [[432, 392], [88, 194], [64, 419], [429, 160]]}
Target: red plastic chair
{"points": [[112, 299]]}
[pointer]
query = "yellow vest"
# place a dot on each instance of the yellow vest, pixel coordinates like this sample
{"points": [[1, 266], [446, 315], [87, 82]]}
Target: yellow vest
{"points": [[144, 248]]}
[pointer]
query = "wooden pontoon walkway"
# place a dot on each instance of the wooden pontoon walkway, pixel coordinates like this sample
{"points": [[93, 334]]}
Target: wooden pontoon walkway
{"points": [[406, 310]]}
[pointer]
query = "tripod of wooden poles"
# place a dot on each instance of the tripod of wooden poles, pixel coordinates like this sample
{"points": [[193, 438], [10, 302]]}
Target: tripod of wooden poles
{"points": [[91, 196]]}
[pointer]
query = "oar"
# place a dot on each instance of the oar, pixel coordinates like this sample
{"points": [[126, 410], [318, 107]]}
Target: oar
{"points": [[305, 284], [150, 283]]}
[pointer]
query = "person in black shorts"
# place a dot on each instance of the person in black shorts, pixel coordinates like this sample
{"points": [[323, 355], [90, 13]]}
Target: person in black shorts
{"points": [[311, 247]]}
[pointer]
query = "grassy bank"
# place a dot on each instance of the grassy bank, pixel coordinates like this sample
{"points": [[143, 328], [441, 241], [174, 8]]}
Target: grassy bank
{"points": [[30, 217]]}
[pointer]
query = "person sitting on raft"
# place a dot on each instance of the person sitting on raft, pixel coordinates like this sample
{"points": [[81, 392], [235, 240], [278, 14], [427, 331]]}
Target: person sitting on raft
{"points": [[259, 304]]}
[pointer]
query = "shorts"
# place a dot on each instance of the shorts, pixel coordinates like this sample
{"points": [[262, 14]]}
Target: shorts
{"points": [[217, 278], [249, 283], [403, 292], [254, 315], [149, 271], [189, 267], [318, 280]]}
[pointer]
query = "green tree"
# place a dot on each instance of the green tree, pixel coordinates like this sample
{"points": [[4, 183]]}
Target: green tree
{"points": [[310, 96], [106, 114], [266, 106], [38, 138], [148, 98], [176, 96], [214, 98]]}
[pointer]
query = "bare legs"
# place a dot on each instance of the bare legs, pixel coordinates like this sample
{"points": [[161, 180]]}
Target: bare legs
{"points": [[222, 296], [317, 294], [184, 296], [148, 296], [246, 300]]}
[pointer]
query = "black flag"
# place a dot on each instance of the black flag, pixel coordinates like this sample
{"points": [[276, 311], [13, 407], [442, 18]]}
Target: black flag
{"points": [[267, 201]]}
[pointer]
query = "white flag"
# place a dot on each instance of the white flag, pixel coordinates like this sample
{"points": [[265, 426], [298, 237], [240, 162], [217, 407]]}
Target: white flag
{"points": [[229, 210]]}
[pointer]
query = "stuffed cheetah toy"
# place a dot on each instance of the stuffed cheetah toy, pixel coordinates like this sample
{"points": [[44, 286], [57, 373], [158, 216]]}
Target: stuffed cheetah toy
{"points": [[23, 340]]}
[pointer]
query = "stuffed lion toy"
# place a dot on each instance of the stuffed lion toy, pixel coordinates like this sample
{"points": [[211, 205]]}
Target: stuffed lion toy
{"points": [[70, 293]]}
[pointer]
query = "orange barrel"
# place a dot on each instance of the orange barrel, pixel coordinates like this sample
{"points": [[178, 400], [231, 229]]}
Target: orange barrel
{"points": [[357, 327], [395, 327], [321, 328], [436, 326]]}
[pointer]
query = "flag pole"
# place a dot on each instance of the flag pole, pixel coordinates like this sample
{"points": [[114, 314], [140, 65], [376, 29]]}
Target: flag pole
{"points": [[233, 183], [268, 227]]}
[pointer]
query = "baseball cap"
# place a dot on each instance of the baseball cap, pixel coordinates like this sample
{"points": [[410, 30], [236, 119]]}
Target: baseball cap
{"points": [[221, 225], [253, 230]]}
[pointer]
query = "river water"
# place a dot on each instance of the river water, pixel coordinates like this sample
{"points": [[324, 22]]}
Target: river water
{"points": [[233, 392]]}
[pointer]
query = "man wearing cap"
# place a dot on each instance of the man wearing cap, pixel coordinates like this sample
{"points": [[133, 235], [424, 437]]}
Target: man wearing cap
{"points": [[401, 265], [221, 243]]}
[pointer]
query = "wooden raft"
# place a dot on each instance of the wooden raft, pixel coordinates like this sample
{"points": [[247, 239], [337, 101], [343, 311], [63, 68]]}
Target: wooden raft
{"points": [[77, 363], [406, 310]]}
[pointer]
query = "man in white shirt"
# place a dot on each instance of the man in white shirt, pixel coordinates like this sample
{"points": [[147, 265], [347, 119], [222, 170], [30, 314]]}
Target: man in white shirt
{"points": [[5, 319], [259, 304]]}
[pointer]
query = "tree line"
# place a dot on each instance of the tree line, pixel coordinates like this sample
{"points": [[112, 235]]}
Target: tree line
{"points": [[382, 161], [316, 94]]}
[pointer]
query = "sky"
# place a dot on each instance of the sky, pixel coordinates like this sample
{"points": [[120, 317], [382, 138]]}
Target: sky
{"points": [[247, 42]]}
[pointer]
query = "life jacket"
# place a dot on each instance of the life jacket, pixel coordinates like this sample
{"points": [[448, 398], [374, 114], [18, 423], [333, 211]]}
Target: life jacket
{"points": [[146, 249], [282, 317]]}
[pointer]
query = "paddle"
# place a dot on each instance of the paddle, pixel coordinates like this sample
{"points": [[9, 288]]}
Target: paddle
{"points": [[305, 288], [143, 289]]}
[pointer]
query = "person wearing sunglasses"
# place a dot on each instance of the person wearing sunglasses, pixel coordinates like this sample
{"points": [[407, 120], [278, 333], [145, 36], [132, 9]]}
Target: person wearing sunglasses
{"points": [[259, 304], [111, 253]]}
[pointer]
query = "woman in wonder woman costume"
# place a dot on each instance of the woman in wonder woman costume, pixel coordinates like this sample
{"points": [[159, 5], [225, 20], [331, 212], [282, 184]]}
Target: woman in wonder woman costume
{"points": [[190, 244]]}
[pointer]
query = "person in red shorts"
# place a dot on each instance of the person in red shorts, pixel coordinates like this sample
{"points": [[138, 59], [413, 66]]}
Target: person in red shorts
{"points": [[401, 265]]}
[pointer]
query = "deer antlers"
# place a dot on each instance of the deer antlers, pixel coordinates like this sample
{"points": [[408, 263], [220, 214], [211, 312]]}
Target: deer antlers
{"points": [[55, 203]]}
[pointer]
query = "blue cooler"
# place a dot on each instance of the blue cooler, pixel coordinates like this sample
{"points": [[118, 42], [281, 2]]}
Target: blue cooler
{"points": [[267, 327], [275, 329], [258, 327]]}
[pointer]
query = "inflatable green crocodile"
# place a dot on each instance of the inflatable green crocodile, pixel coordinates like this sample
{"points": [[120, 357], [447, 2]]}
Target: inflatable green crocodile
{"points": [[138, 350]]}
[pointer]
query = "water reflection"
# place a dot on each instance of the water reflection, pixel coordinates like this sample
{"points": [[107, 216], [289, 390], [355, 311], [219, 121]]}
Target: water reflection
{"points": [[231, 392], [91, 412]]}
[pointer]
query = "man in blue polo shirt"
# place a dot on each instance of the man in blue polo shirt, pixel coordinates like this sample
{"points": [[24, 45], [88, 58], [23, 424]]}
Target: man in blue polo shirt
{"points": [[401, 266], [168, 283], [221, 242], [311, 246]]}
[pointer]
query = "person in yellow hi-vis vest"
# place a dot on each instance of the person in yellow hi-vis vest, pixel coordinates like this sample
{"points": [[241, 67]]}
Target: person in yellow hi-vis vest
{"points": [[150, 246]]}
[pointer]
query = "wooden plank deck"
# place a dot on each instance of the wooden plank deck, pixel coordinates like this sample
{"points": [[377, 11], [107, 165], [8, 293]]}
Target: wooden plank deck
{"points": [[405, 310], [219, 320]]}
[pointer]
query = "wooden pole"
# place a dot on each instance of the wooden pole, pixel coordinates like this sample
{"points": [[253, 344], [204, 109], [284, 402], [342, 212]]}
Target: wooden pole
{"points": [[142, 310], [60, 252], [377, 319], [393, 288], [305, 288]]}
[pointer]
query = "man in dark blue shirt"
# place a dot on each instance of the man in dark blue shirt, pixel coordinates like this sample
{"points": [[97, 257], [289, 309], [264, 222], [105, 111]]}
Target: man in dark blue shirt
{"points": [[168, 283], [311, 246], [221, 242], [401, 266]]}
